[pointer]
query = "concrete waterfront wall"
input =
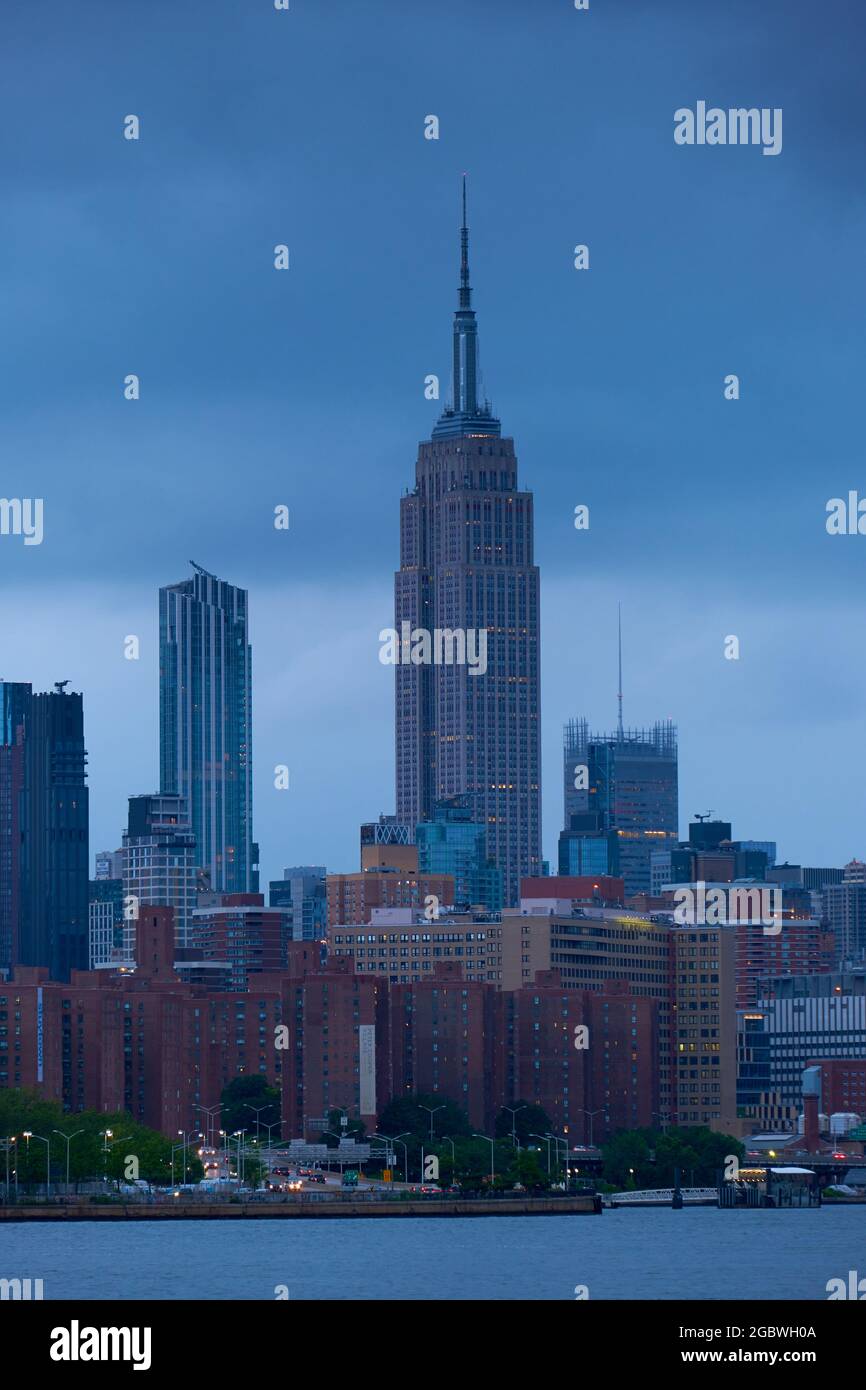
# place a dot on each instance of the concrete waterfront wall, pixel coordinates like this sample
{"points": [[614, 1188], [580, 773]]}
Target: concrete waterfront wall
{"points": [[301, 1210]]}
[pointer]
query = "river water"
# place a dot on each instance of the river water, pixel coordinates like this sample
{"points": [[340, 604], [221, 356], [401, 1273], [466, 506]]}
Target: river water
{"points": [[651, 1254]]}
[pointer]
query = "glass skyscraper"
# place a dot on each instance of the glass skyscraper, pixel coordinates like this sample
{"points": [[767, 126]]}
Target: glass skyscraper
{"points": [[623, 784], [466, 567], [53, 925], [205, 723], [451, 843], [14, 704]]}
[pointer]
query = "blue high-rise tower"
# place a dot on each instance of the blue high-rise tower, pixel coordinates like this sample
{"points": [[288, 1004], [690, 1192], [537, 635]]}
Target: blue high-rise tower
{"points": [[205, 723]]}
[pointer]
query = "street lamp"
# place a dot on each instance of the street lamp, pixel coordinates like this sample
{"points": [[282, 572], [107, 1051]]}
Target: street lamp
{"points": [[278, 1124], [69, 1138], [491, 1143], [564, 1142], [28, 1135], [105, 1135], [547, 1138], [340, 1137], [239, 1135], [431, 1110], [257, 1110], [7, 1144], [209, 1110], [450, 1141], [397, 1139], [186, 1136], [592, 1114], [514, 1111]]}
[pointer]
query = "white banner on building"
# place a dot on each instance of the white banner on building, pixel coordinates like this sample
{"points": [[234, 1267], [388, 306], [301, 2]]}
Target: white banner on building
{"points": [[367, 1047], [39, 1033]]}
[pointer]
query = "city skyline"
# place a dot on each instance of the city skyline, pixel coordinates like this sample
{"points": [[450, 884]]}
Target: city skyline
{"points": [[702, 508]]}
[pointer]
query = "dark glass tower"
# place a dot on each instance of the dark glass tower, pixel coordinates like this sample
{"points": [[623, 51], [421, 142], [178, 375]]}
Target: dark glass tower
{"points": [[629, 805], [205, 723], [14, 709], [466, 565], [55, 859]]}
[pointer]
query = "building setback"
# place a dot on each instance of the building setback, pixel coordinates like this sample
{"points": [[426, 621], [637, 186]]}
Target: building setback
{"points": [[467, 567]]}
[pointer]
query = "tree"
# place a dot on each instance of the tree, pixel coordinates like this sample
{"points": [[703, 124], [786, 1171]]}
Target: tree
{"points": [[100, 1145], [408, 1113], [243, 1097], [527, 1121], [697, 1151], [648, 1158], [627, 1161]]}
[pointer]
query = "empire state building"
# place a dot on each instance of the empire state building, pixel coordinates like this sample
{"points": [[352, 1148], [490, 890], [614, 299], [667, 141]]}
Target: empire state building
{"points": [[466, 568]]}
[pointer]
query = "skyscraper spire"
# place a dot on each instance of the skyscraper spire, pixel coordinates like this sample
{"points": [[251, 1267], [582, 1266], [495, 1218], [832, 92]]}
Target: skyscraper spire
{"points": [[465, 290], [466, 414], [619, 688]]}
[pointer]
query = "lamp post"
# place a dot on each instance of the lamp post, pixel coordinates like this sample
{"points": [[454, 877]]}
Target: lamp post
{"points": [[257, 1110], [278, 1124], [397, 1139], [547, 1138], [491, 1143], [186, 1136], [564, 1142], [514, 1111], [105, 1134], [208, 1111], [7, 1144], [239, 1135], [431, 1110], [339, 1137], [69, 1138], [592, 1114], [28, 1135], [448, 1140]]}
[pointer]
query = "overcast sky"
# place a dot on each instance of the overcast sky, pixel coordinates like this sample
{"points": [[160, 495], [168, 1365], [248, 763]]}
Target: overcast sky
{"points": [[306, 387]]}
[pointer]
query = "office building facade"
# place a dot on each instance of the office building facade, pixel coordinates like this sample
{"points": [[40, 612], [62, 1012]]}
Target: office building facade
{"points": [[621, 800], [205, 723], [14, 704], [160, 859], [53, 930], [467, 707], [302, 892], [452, 843]]}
